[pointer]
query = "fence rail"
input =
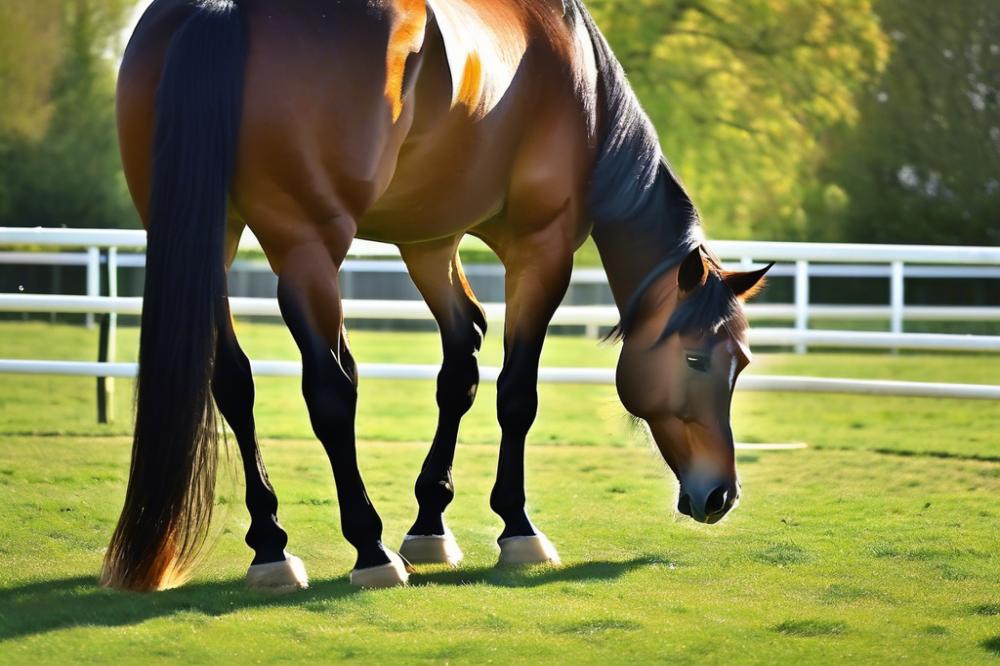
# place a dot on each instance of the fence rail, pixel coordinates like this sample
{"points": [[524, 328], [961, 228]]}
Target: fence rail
{"points": [[601, 376], [567, 315], [840, 260]]}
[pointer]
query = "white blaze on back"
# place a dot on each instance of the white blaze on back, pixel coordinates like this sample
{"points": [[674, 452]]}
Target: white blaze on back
{"points": [[485, 42]]}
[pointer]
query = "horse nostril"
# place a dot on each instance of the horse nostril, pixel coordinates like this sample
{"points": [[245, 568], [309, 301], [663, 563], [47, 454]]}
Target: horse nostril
{"points": [[684, 505], [716, 501]]}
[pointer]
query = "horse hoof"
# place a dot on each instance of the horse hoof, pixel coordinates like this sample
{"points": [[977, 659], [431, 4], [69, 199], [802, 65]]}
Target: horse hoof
{"points": [[535, 549], [432, 549], [395, 573], [278, 577]]}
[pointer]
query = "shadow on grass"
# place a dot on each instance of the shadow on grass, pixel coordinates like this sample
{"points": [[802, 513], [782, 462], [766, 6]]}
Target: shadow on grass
{"points": [[513, 576], [41, 607]]}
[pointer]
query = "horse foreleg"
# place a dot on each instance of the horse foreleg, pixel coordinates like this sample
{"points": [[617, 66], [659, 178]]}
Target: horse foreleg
{"points": [[437, 273], [537, 278]]}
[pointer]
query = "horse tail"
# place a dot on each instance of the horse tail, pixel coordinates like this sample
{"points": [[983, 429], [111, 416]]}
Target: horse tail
{"points": [[171, 487]]}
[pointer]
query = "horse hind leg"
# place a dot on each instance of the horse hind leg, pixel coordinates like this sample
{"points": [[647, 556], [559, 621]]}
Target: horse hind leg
{"points": [[310, 303], [272, 569], [437, 273]]}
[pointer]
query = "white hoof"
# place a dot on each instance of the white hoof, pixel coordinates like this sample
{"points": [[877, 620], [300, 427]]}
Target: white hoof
{"points": [[432, 549], [535, 549], [393, 574], [278, 577]]}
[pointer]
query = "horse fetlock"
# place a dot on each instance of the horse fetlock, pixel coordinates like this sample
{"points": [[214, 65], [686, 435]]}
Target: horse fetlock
{"points": [[363, 529], [434, 492], [507, 504], [267, 539]]}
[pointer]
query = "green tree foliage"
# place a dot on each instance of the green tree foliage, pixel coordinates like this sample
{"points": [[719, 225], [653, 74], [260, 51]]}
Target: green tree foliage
{"points": [[776, 112], [60, 166], [29, 54], [923, 164], [741, 89]]}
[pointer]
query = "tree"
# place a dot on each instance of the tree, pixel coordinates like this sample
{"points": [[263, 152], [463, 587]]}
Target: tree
{"points": [[923, 165], [62, 165], [741, 91], [29, 54]]}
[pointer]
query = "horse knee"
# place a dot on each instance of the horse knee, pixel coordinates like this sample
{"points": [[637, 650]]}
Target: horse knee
{"points": [[517, 407], [507, 502], [458, 380], [458, 383]]}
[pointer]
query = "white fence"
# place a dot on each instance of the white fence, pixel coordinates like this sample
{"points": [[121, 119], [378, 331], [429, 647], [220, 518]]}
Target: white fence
{"points": [[803, 261], [837, 259]]}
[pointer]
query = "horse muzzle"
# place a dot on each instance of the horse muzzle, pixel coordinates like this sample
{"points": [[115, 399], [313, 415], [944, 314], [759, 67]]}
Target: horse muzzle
{"points": [[708, 502]]}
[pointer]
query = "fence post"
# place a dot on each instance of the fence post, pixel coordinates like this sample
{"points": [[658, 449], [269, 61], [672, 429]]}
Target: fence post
{"points": [[106, 342], [801, 302], [93, 278], [897, 298]]}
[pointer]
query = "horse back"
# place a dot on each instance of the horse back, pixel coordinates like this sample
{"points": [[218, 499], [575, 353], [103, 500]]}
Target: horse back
{"points": [[408, 115]]}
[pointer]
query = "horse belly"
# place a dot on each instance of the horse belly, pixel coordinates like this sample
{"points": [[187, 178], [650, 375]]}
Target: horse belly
{"points": [[439, 191]]}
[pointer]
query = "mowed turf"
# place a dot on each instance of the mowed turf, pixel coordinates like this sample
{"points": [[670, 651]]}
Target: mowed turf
{"points": [[582, 415], [833, 556], [838, 553]]}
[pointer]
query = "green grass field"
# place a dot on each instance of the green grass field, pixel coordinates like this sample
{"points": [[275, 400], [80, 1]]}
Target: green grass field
{"points": [[877, 544]]}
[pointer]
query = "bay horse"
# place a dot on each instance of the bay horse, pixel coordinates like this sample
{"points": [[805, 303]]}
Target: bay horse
{"points": [[410, 122]]}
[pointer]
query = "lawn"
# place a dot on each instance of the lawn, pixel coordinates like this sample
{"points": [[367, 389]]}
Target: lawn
{"points": [[581, 415], [865, 548]]}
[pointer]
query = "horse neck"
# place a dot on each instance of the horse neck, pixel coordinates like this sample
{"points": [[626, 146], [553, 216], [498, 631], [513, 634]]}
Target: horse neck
{"points": [[643, 218], [661, 232]]}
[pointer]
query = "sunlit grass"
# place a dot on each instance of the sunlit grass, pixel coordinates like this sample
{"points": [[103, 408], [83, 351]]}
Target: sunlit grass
{"points": [[833, 554], [591, 415]]}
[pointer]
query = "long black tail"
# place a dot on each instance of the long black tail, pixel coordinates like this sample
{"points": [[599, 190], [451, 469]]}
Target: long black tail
{"points": [[168, 506]]}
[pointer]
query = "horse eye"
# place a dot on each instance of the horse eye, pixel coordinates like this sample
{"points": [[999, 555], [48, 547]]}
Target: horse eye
{"points": [[697, 362]]}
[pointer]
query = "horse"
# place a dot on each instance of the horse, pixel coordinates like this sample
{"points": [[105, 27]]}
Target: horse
{"points": [[410, 122]]}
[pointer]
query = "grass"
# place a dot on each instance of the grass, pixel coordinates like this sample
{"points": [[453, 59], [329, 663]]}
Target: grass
{"points": [[579, 415], [837, 553], [832, 553]]}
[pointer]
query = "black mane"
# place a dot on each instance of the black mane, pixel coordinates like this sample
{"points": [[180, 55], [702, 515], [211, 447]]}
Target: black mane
{"points": [[634, 191]]}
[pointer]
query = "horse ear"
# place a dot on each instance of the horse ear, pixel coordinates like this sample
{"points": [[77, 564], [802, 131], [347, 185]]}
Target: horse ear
{"points": [[749, 284], [692, 272]]}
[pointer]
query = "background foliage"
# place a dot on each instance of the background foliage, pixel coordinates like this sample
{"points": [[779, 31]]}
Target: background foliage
{"points": [[861, 120], [923, 162], [59, 160], [742, 92]]}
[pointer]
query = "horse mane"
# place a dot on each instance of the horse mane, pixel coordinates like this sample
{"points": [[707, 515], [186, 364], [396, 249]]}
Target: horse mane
{"points": [[633, 190], [711, 307]]}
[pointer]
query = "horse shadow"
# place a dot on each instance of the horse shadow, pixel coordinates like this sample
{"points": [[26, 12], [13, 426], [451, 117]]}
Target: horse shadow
{"points": [[44, 606]]}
